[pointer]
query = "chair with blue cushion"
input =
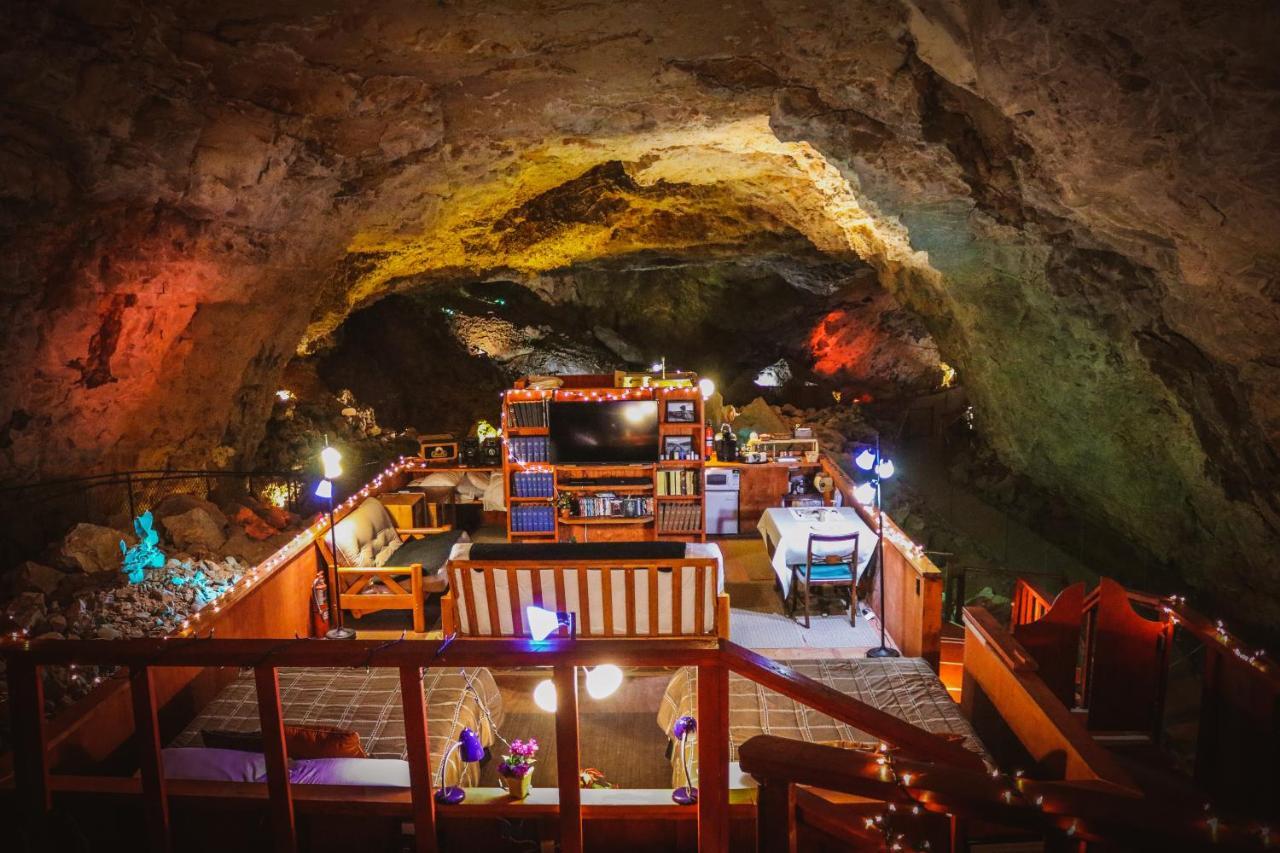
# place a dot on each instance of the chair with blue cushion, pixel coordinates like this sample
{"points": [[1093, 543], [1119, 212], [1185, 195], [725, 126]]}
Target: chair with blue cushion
{"points": [[835, 567]]}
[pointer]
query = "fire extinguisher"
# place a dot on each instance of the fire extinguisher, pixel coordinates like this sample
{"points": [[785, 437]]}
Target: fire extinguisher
{"points": [[319, 606]]}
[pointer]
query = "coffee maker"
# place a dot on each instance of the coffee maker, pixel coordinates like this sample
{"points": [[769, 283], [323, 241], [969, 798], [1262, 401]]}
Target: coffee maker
{"points": [[726, 445]]}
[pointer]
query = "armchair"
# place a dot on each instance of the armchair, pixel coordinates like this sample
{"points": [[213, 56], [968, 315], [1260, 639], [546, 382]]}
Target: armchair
{"points": [[375, 559]]}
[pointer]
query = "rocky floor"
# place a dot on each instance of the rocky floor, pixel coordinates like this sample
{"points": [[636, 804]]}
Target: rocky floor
{"points": [[79, 589]]}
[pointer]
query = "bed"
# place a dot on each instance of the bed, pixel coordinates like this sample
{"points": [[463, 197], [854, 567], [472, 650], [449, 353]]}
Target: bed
{"points": [[367, 702], [904, 687]]}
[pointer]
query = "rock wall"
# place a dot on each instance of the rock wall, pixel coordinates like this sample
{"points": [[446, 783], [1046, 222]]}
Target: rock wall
{"points": [[1079, 200]]}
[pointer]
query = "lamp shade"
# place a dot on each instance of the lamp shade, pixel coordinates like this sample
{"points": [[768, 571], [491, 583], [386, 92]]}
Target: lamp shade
{"points": [[885, 469], [707, 387], [472, 748], [865, 493], [331, 459], [685, 725], [603, 681], [324, 489], [544, 696], [542, 623], [865, 460]]}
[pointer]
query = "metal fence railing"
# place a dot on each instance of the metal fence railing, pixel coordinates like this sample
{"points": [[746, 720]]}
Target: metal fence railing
{"points": [[35, 514]]}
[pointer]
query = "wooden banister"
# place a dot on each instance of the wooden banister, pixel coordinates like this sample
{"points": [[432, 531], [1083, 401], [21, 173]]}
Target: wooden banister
{"points": [[567, 764], [1055, 811], [270, 717], [155, 797], [906, 737], [417, 747], [998, 671]]}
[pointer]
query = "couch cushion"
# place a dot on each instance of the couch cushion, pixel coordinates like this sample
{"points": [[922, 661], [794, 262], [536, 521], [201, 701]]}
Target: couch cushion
{"points": [[577, 550], [367, 536], [431, 552]]}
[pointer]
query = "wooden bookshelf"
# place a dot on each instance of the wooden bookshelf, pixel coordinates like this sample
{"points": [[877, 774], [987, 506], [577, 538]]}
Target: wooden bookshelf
{"points": [[515, 434]]}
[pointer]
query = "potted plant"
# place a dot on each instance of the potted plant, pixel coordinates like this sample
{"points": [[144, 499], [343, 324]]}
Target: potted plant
{"points": [[564, 501], [516, 769]]}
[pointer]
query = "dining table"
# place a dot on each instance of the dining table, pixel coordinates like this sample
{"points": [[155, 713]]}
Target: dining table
{"points": [[786, 530]]}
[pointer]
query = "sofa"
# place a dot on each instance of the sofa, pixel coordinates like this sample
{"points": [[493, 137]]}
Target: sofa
{"points": [[381, 567], [614, 589]]}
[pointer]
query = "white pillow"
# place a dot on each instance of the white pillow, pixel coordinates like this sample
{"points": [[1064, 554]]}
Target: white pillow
{"points": [[216, 765], [379, 772], [438, 479]]}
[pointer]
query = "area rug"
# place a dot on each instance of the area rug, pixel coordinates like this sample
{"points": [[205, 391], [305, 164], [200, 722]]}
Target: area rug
{"points": [[777, 631]]}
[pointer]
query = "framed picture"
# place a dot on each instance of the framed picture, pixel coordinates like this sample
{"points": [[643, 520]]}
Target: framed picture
{"points": [[680, 412], [677, 447]]}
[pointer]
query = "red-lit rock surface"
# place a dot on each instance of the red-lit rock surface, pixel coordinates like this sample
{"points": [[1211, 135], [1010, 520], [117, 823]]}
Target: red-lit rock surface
{"points": [[1079, 201]]}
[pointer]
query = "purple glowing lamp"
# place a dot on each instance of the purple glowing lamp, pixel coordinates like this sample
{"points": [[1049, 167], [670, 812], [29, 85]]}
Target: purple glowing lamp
{"points": [[683, 728], [472, 751]]}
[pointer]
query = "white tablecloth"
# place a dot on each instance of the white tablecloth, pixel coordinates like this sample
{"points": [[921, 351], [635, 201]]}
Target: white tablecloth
{"points": [[785, 532]]}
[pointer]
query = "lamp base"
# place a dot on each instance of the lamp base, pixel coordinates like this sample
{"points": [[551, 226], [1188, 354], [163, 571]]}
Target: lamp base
{"points": [[450, 796], [883, 652], [343, 633], [685, 796]]}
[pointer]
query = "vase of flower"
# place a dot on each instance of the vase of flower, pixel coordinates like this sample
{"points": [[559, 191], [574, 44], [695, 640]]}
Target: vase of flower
{"points": [[516, 769]]}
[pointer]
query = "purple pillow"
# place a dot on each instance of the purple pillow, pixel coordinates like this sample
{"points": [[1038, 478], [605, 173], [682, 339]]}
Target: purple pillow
{"points": [[378, 772], [216, 765]]}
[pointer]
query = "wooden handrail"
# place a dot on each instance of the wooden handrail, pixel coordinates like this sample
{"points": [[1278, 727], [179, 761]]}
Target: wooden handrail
{"points": [[997, 667], [909, 739], [1052, 809]]}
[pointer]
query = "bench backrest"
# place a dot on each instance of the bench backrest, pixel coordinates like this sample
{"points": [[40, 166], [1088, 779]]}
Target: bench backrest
{"points": [[675, 597]]}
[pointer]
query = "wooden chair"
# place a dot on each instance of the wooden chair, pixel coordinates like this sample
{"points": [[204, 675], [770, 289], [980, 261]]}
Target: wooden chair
{"points": [[839, 569]]}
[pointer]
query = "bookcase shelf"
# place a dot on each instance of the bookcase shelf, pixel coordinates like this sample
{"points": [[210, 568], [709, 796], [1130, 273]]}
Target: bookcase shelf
{"points": [[601, 389]]}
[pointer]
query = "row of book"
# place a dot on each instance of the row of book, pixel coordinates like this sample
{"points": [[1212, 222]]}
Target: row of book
{"points": [[678, 482], [525, 484], [680, 518], [612, 506], [533, 519], [529, 448], [527, 414]]}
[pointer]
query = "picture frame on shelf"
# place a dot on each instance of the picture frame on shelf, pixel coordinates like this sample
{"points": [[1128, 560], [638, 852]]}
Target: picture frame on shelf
{"points": [[680, 412], [678, 447]]}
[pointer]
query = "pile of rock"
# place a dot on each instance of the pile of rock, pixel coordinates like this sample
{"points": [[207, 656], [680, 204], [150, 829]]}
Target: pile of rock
{"points": [[78, 590]]}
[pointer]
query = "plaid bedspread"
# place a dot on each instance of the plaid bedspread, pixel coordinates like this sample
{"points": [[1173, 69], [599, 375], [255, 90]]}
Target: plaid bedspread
{"points": [[367, 702], [904, 687]]}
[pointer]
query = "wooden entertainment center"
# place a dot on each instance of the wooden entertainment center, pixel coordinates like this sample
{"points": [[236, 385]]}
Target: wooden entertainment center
{"points": [[657, 500]]}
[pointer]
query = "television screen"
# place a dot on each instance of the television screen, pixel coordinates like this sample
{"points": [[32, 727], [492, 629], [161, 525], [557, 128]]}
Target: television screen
{"points": [[616, 432]]}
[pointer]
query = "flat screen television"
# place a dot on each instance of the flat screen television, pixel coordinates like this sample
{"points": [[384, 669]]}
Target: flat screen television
{"points": [[615, 432]]}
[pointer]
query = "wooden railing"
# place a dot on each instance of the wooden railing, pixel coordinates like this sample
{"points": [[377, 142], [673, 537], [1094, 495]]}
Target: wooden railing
{"points": [[1029, 604], [913, 584], [1074, 793], [1124, 668], [37, 784]]}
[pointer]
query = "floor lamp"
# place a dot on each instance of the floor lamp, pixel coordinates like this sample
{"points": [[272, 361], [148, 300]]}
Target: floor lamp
{"points": [[331, 462], [881, 469]]}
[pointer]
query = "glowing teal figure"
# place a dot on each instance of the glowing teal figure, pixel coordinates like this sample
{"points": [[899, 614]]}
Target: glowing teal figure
{"points": [[146, 554]]}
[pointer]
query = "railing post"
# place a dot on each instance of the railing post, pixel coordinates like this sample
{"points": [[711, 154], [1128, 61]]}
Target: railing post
{"points": [[146, 728], [30, 761], [776, 817], [713, 759], [567, 762], [273, 748], [419, 754]]}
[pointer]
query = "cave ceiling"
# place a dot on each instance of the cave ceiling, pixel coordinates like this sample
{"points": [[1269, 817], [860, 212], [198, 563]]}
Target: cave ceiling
{"points": [[1077, 200]]}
